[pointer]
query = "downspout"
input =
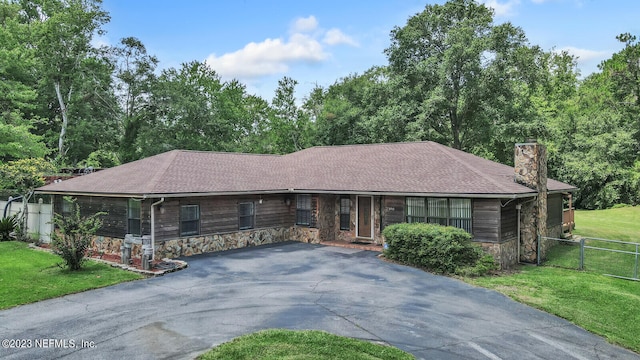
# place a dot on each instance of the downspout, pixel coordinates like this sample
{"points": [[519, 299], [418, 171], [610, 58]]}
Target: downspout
{"points": [[8, 205], [153, 227], [518, 207]]}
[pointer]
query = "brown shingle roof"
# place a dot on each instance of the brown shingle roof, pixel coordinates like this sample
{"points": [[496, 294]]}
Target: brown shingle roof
{"points": [[409, 168]]}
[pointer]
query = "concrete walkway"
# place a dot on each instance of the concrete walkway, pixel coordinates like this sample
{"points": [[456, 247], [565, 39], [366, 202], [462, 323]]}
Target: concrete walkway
{"points": [[348, 292]]}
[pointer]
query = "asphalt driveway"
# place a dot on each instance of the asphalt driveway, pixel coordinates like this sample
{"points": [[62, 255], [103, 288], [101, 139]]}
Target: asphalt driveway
{"points": [[297, 286]]}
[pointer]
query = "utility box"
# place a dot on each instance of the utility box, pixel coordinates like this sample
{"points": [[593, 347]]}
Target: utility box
{"points": [[147, 252], [126, 249]]}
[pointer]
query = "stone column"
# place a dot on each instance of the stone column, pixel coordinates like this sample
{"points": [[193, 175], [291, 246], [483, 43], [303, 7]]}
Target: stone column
{"points": [[531, 171]]}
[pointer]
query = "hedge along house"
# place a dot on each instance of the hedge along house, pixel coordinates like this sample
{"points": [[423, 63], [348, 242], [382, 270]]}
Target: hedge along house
{"points": [[192, 202]]}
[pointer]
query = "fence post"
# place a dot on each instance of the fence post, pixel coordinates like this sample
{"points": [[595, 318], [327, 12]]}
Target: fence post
{"points": [[635, 270], [538, 250], [581, 254]]}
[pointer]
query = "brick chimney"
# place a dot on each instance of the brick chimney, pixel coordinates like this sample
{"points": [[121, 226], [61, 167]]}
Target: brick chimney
{"points": [[531, 171]]}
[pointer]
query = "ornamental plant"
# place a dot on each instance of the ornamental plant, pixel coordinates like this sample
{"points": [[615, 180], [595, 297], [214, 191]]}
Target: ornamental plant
{"points": [[441, 249], [8, 226], [72, 237]]}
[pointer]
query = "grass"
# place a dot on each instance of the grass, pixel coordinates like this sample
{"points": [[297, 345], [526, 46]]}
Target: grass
{"points": [[616, 224], [27, 275], [621, 224], [603, 305], [305, 344]]}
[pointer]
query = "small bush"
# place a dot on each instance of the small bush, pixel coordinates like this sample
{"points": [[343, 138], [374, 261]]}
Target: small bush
{"points": [[73, 236], [8, 227], [442, 249]]}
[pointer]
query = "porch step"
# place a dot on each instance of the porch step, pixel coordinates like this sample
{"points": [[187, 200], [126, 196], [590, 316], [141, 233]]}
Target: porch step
{"points": [[350, 245]]}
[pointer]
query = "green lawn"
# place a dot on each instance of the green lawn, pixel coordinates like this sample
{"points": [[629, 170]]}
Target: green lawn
{"points": [[603, 305], [27, 275], [616, 224], [306, 344]]}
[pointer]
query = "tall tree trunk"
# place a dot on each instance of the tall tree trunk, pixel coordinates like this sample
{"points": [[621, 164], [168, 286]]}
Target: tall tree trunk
{"points": [[65, 119]]}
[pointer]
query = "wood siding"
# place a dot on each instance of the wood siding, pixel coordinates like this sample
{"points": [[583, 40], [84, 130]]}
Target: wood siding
{"points": [[114, 222], [554, 210], [508, 222], [392, 210], [486, 220], [219, 214]]}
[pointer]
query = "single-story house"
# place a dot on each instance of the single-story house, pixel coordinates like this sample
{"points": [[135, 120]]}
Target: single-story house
{"points": [[191, 202]]}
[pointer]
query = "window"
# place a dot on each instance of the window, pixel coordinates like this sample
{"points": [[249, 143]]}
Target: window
{"points": [[453, 212], [437, 210], [246, 215], [345, 213], [67, 207], [189, 220], [460, 213], [133, 218], [415, 209], [303, 210]]}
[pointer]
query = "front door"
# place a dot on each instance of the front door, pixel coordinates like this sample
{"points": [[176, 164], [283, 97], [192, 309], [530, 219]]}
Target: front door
{"points": [[364, 217]]}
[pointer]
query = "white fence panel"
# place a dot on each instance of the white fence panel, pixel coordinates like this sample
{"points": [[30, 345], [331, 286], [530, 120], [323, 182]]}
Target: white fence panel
{"points": [[39, 222]]}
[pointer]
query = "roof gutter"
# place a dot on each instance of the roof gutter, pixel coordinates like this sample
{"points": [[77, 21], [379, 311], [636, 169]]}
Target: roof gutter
{"points": [[305, 191]]}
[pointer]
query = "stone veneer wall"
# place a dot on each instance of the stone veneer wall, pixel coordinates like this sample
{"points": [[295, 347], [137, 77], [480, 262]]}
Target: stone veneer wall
{"points": [[531, 170], [326, 217], [345, 235], [305, 234], [504, 253], [377, 219], [218, 242], [188, 246]]}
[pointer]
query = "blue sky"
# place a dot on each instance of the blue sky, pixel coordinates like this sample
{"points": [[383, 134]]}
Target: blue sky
{"points": [[318, 42]]}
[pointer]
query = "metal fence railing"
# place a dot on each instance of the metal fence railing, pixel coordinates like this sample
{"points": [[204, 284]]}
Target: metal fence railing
{"points": [[608, 257]]}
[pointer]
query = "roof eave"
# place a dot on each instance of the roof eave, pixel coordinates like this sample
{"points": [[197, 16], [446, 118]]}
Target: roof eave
{"points": [[159, 195]]}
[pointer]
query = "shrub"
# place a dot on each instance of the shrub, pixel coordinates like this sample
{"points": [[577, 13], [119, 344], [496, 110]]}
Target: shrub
{"points": [[485, 265], [72, 238], [8, 226], [442, 249]]}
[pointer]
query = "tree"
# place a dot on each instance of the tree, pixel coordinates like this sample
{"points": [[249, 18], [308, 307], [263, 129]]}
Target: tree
{"points": [[135, 77], [191, 108], [17, 64], [17, 88], [352, 111], [593, 147], [72, 239], [290, 128], [64, 32], [456, 70], [17, 142]]}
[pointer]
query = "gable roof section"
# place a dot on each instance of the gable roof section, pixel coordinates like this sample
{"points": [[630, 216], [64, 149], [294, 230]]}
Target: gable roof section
{"points": [[398, 168]]}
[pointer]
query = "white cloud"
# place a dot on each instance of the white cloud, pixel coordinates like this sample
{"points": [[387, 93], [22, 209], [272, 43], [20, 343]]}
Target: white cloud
{"points": [[304, 25], [268, 57], [585, 55], [501, 8], [335, 37], [276, 56]]}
